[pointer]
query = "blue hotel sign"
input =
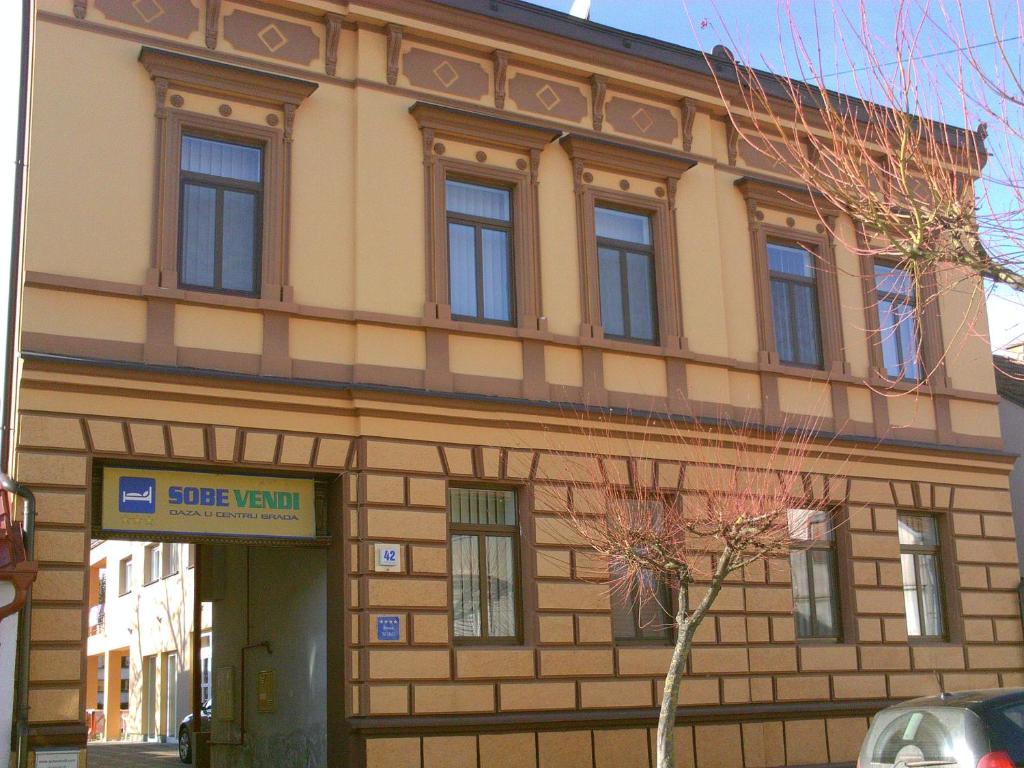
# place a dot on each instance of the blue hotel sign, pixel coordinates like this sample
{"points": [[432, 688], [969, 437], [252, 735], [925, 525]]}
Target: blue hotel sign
{"points": [[389, 628]]}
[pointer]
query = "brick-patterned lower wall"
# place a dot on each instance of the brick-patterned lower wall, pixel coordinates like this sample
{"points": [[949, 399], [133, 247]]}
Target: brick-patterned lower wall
{"points": [[727, 745], [745, 654]]}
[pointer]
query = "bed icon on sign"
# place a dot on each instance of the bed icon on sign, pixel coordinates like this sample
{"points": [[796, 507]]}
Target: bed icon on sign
{"points": [[137, 495]]}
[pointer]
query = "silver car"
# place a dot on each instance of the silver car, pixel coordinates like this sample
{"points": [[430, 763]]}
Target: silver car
{"points": [[972, 729]]}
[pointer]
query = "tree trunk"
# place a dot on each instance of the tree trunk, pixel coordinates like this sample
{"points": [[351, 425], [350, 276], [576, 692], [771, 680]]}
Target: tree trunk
{"points": [[686, 627], [674, 676]]}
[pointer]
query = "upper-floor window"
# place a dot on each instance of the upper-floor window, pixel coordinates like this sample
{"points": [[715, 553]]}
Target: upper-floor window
{"points": [[220, 215], [898, 329], [124, 576], [625, 254], [483, 535], [812, 561], [922, 578], [794, 292], [642, 609], [480, 261], [153, 563]]}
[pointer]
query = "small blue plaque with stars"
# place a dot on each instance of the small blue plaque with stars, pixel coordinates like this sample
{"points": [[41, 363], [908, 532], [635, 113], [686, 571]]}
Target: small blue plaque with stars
{"points": [[389, 627]]}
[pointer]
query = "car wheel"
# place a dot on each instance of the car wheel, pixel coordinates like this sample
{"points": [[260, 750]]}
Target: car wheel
{"points": [[185, 745]]}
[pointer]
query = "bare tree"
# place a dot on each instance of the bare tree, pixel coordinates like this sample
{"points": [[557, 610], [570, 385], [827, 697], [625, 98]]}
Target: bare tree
{"points": [[923, 195], [743, 494]]}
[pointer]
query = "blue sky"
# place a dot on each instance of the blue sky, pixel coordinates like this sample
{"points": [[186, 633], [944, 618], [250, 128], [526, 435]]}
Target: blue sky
{"points": [[745, 25]]}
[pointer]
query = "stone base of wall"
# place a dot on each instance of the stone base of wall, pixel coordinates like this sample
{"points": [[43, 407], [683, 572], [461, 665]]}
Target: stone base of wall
{"points": [[806, 742]]}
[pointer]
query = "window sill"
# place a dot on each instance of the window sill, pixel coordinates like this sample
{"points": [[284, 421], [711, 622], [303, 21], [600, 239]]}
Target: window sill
{"points": [[934, 642], [218, 298]]}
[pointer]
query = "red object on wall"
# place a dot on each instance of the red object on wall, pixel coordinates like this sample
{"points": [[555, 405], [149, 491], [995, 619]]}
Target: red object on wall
{"points": [[14, 564]]}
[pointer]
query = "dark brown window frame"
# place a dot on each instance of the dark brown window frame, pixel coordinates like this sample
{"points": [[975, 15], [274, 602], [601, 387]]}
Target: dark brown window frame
{"points": [[481, 532], [930, 359], [438, 124], [664, 168], [839, 548], [783, 198], [623, 247], [799, 280], [191, 75], [221, 185], [479, 223], [946, 583], [668, 596]]}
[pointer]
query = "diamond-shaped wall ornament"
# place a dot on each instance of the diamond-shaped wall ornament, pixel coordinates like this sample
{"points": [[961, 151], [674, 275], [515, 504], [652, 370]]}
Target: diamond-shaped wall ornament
{"points": [[272, 37], [547, 97], [642, 120], [446, 74], [148, 10]]}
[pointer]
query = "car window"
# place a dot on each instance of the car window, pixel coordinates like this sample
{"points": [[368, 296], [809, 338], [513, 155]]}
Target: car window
{"points": [[938, 736], [1006, 725]]}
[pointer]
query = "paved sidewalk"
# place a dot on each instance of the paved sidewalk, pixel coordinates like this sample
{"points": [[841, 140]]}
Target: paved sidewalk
{"points": [[120, 755]]}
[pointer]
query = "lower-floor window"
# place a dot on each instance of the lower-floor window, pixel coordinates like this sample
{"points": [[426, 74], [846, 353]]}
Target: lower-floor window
{"points": [[812, 561], [642, 611], [484, 535], [922, 577]]}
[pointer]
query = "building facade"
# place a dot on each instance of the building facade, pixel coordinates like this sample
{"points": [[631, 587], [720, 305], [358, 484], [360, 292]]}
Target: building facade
{"points": [[378, 267], [139, 666], [1010, 386]]}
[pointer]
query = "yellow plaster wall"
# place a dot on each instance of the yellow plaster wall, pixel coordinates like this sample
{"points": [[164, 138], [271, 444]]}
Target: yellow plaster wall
{"points": [[808, 398], [394, 347], [703, 286], [911, 410], [560, 261], [83, 315], [737, 270], [90, 192], [219, 329], [322, 269], [563, 365], [322, 342], [965, 332], [975, 418], [641, 375], [486, 357], [390, 258]]}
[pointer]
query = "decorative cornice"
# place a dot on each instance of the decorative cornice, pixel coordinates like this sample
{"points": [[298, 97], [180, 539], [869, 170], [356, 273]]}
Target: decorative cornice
{"points": [[780, 195], [212, 22], [688, 108], [394, 35], [598, 89], [500, 75], [732, 142], [333, 22], [463, 125], [623, 158], [215, 79]]}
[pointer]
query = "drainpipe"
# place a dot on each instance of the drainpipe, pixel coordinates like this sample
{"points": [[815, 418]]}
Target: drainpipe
{"points": [[7, 417], [24, 621], [20, 164]]}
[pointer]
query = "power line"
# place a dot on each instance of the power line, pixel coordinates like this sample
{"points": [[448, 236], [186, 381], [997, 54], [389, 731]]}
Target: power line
{"points": [[961, 49]]}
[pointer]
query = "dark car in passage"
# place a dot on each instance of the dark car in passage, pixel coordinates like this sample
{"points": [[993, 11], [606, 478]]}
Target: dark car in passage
{"points": [[185, 731], [971, 729]]}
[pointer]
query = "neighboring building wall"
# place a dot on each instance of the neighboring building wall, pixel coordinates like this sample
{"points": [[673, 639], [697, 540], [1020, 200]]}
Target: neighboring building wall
{"points": [[141, 619], [1011, 416], [349, 364]]}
